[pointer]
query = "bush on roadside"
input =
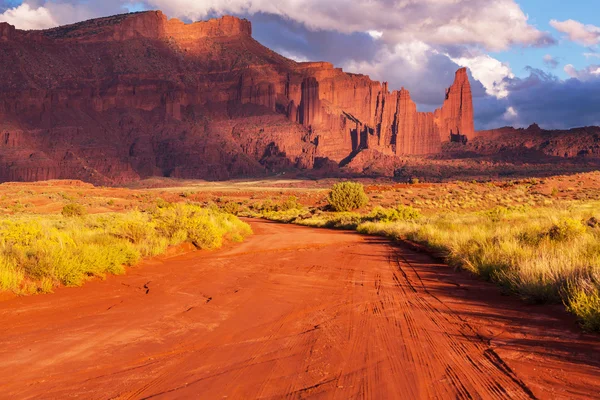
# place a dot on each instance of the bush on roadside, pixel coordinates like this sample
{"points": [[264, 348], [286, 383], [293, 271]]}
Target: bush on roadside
{"points": [[231, 207], [347, 196], [400, 213], [583, 300]]}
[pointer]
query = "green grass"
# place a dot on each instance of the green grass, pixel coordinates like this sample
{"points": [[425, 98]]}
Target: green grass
{"points": [[38, 253]]}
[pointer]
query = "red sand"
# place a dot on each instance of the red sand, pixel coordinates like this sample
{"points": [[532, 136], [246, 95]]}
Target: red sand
{"points": [[293, 312]]}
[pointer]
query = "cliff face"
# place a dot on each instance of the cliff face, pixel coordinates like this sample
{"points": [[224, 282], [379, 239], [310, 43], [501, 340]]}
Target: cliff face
{"points": [[115, 99]]}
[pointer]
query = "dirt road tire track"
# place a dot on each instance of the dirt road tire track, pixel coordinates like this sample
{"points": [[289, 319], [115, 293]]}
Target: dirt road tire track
{"points": [[293, 313]]}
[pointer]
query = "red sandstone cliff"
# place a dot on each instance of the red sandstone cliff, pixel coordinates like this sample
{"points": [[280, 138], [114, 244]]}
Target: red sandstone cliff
{"points": [[115, 99]]}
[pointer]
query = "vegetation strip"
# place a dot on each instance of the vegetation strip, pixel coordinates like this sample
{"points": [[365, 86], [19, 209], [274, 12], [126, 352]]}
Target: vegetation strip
{"points": [[39, 253]]}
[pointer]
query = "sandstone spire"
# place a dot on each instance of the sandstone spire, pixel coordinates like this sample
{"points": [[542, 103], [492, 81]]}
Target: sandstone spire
{"points": [[456, 115]]}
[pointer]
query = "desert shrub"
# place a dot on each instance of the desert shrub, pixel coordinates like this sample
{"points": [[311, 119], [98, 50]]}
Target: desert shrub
{"points": [[205, 228], [10, 275], [583, 300], [339, 220], [347, 196], [414, 181], [161, 203], [566, 229], [38, 253], [204, 234], [231, 207], [284, 216], [291, 203], [496, 214], [266, 206], [400, 213], [344, 220], [134, 226], [73, 210]]}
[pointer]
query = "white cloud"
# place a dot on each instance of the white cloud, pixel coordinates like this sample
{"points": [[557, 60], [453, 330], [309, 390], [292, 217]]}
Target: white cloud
{"points": [[413, 55], [588, 35], [489, 71], [494, 25], [585, 74], [551, 61], [511, 114], [591, 55], [375, 34], [26, 17], [292, 55]]}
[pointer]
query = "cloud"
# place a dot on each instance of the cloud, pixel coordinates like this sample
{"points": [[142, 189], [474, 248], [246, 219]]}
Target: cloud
{"points": [[43, 14], [293, 38], [511, 114], [591, 72], [489, 71], [26, 17], [375, 34], [545, 99], [550, 61], [588, 35], [495, 26], [591, 55]]}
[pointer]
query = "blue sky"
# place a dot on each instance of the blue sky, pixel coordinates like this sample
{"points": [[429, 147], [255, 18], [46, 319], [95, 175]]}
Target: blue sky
{"points": [[566, 52], [527, 58]]}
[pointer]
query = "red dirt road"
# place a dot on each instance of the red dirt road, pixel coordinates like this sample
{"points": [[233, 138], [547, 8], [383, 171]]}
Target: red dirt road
{"points": [[292, 313]]}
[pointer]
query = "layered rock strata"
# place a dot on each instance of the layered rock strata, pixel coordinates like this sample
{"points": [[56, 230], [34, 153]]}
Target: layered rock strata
{"points": [[117, 99]]}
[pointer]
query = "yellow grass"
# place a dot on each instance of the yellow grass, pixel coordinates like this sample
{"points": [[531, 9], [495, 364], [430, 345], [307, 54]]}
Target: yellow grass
{"points": [[38, 253]]}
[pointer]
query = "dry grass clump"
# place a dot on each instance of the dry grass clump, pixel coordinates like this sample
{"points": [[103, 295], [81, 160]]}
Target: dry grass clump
{"points": [[38, 253]]}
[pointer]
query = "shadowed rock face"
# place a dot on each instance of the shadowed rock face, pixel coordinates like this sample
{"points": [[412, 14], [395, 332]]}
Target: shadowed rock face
{"points": [[117, 99]]}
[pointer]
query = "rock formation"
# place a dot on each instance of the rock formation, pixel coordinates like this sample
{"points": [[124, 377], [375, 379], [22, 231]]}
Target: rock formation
{"points": [[125, 97], [456, 115]]}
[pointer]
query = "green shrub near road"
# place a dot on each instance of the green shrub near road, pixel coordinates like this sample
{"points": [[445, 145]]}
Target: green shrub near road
{"points": [[347, 196], [38, 253]]}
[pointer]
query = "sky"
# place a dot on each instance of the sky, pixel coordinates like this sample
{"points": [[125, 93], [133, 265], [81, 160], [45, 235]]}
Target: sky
{"points": [[530, 61]]}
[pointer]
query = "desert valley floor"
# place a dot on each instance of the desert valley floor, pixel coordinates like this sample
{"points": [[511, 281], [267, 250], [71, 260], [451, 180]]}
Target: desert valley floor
{"points": [[293, 312]]}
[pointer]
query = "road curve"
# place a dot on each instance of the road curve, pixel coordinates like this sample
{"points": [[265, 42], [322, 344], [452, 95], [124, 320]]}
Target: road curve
{"points": [[292, 313]]}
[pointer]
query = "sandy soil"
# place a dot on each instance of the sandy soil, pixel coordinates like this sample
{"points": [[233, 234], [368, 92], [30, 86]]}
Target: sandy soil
{"points": [[295, 313]]}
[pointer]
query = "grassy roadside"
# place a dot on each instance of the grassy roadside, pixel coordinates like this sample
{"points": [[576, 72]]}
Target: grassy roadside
{"points": [[41, 252], [542, 254]]}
